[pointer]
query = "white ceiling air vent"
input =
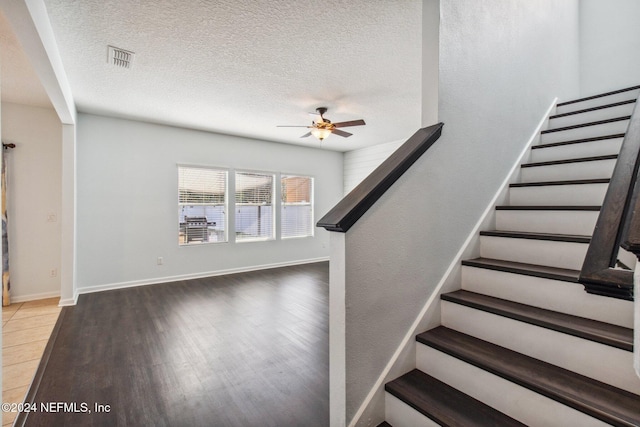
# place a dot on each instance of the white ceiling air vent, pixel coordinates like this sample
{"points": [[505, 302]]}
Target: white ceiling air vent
{"points": [[120, 57]]}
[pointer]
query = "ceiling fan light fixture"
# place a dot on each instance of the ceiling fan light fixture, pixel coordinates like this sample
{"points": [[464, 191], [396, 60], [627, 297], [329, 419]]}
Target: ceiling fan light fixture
{"points": [[321, 128], [320, 133]]}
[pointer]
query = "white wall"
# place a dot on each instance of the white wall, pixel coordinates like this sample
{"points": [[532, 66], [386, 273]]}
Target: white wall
{"points": [[430, 61], [502, 62], [127, 201], [358, 164], [609, 45], [34, 199]]}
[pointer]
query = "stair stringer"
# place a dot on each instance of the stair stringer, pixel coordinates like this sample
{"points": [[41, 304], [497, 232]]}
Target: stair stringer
{"points": [[403, 359]]}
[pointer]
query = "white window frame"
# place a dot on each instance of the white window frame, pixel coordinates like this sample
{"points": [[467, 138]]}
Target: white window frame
{"points": [[284, 204], [222, 236], [238, 205]]}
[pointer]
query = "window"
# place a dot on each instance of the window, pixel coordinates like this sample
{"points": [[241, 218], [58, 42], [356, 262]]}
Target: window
{"points": [[254, 206], [202, 205], [297, 206]]}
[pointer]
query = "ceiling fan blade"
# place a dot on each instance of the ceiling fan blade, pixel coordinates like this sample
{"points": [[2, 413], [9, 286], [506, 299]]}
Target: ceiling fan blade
{"points": [[292, 126], [341, 133], [350, 123], [306, 135]]}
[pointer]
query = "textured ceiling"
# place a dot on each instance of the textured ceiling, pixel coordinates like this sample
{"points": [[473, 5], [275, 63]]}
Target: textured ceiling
{"points": [[242, 67], [20, 84]]}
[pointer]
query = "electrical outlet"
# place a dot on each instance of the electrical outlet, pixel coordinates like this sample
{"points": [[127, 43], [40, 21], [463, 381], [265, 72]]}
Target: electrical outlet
{"points": [[51, 217], [160, 260], [53, 272]]}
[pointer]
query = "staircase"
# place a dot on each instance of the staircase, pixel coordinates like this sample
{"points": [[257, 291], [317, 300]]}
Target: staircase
{"points": [[522, 343]]}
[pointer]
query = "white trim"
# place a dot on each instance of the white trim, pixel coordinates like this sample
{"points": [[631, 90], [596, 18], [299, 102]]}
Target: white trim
{"points": [[32, 26], [68, 244], [157, 280], [68, 301], [34, 297], [435, 296]]}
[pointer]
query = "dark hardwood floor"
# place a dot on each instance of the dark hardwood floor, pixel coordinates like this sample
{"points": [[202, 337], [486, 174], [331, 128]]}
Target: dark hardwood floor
{"points": [[248, 349]]}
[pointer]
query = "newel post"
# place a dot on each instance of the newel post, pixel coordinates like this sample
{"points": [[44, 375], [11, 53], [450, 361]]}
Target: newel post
{"points": [[337, 331]]}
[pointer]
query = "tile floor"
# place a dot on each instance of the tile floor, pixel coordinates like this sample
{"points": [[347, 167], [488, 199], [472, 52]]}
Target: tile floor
{"points": [[25, 331]]}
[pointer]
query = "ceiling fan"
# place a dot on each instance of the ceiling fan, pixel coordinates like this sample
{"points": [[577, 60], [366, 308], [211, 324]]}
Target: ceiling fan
{"points": [[323, 128]]}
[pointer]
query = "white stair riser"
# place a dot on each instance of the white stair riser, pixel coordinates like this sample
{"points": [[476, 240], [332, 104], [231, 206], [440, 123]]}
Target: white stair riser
{"points": [[550, 294], [575, 151], [518, 402], [585, 132], [399, 414], [592, 116], [569, 171], [623, 96], [558, 222], [540, 252], [566, 351], [558, 195]]}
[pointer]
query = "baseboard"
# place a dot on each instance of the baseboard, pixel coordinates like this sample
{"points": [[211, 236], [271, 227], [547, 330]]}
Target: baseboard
{"points": [[167, 279], [34, 297], [486, 218], [68, 301]]}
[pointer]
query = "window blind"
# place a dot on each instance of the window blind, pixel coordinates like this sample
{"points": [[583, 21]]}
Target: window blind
{"points": [[254, 206], [297, 206], [202, 205]]}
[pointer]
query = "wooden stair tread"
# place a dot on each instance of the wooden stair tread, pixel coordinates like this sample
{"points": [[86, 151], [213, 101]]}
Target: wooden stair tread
{"points": [[444, 404], [600, 95], [563, 182], [577, 141], [603, 333], [600, 400], [546, 208], [542, 271], [587, 110], [567, 161], [583, 125], [537, 236]]}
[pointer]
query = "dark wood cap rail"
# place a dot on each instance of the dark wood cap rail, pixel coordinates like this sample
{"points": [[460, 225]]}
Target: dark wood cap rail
{"points": [[631, 231], [616, 225], [360, 199]]}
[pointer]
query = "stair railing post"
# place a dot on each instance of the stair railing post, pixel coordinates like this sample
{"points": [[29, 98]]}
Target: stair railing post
{"points": [[337, 331]]}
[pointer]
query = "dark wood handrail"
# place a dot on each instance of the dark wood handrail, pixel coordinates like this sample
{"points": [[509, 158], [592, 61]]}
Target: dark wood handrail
{"points": [[360, 199], [616, 223], [631, 230]]}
